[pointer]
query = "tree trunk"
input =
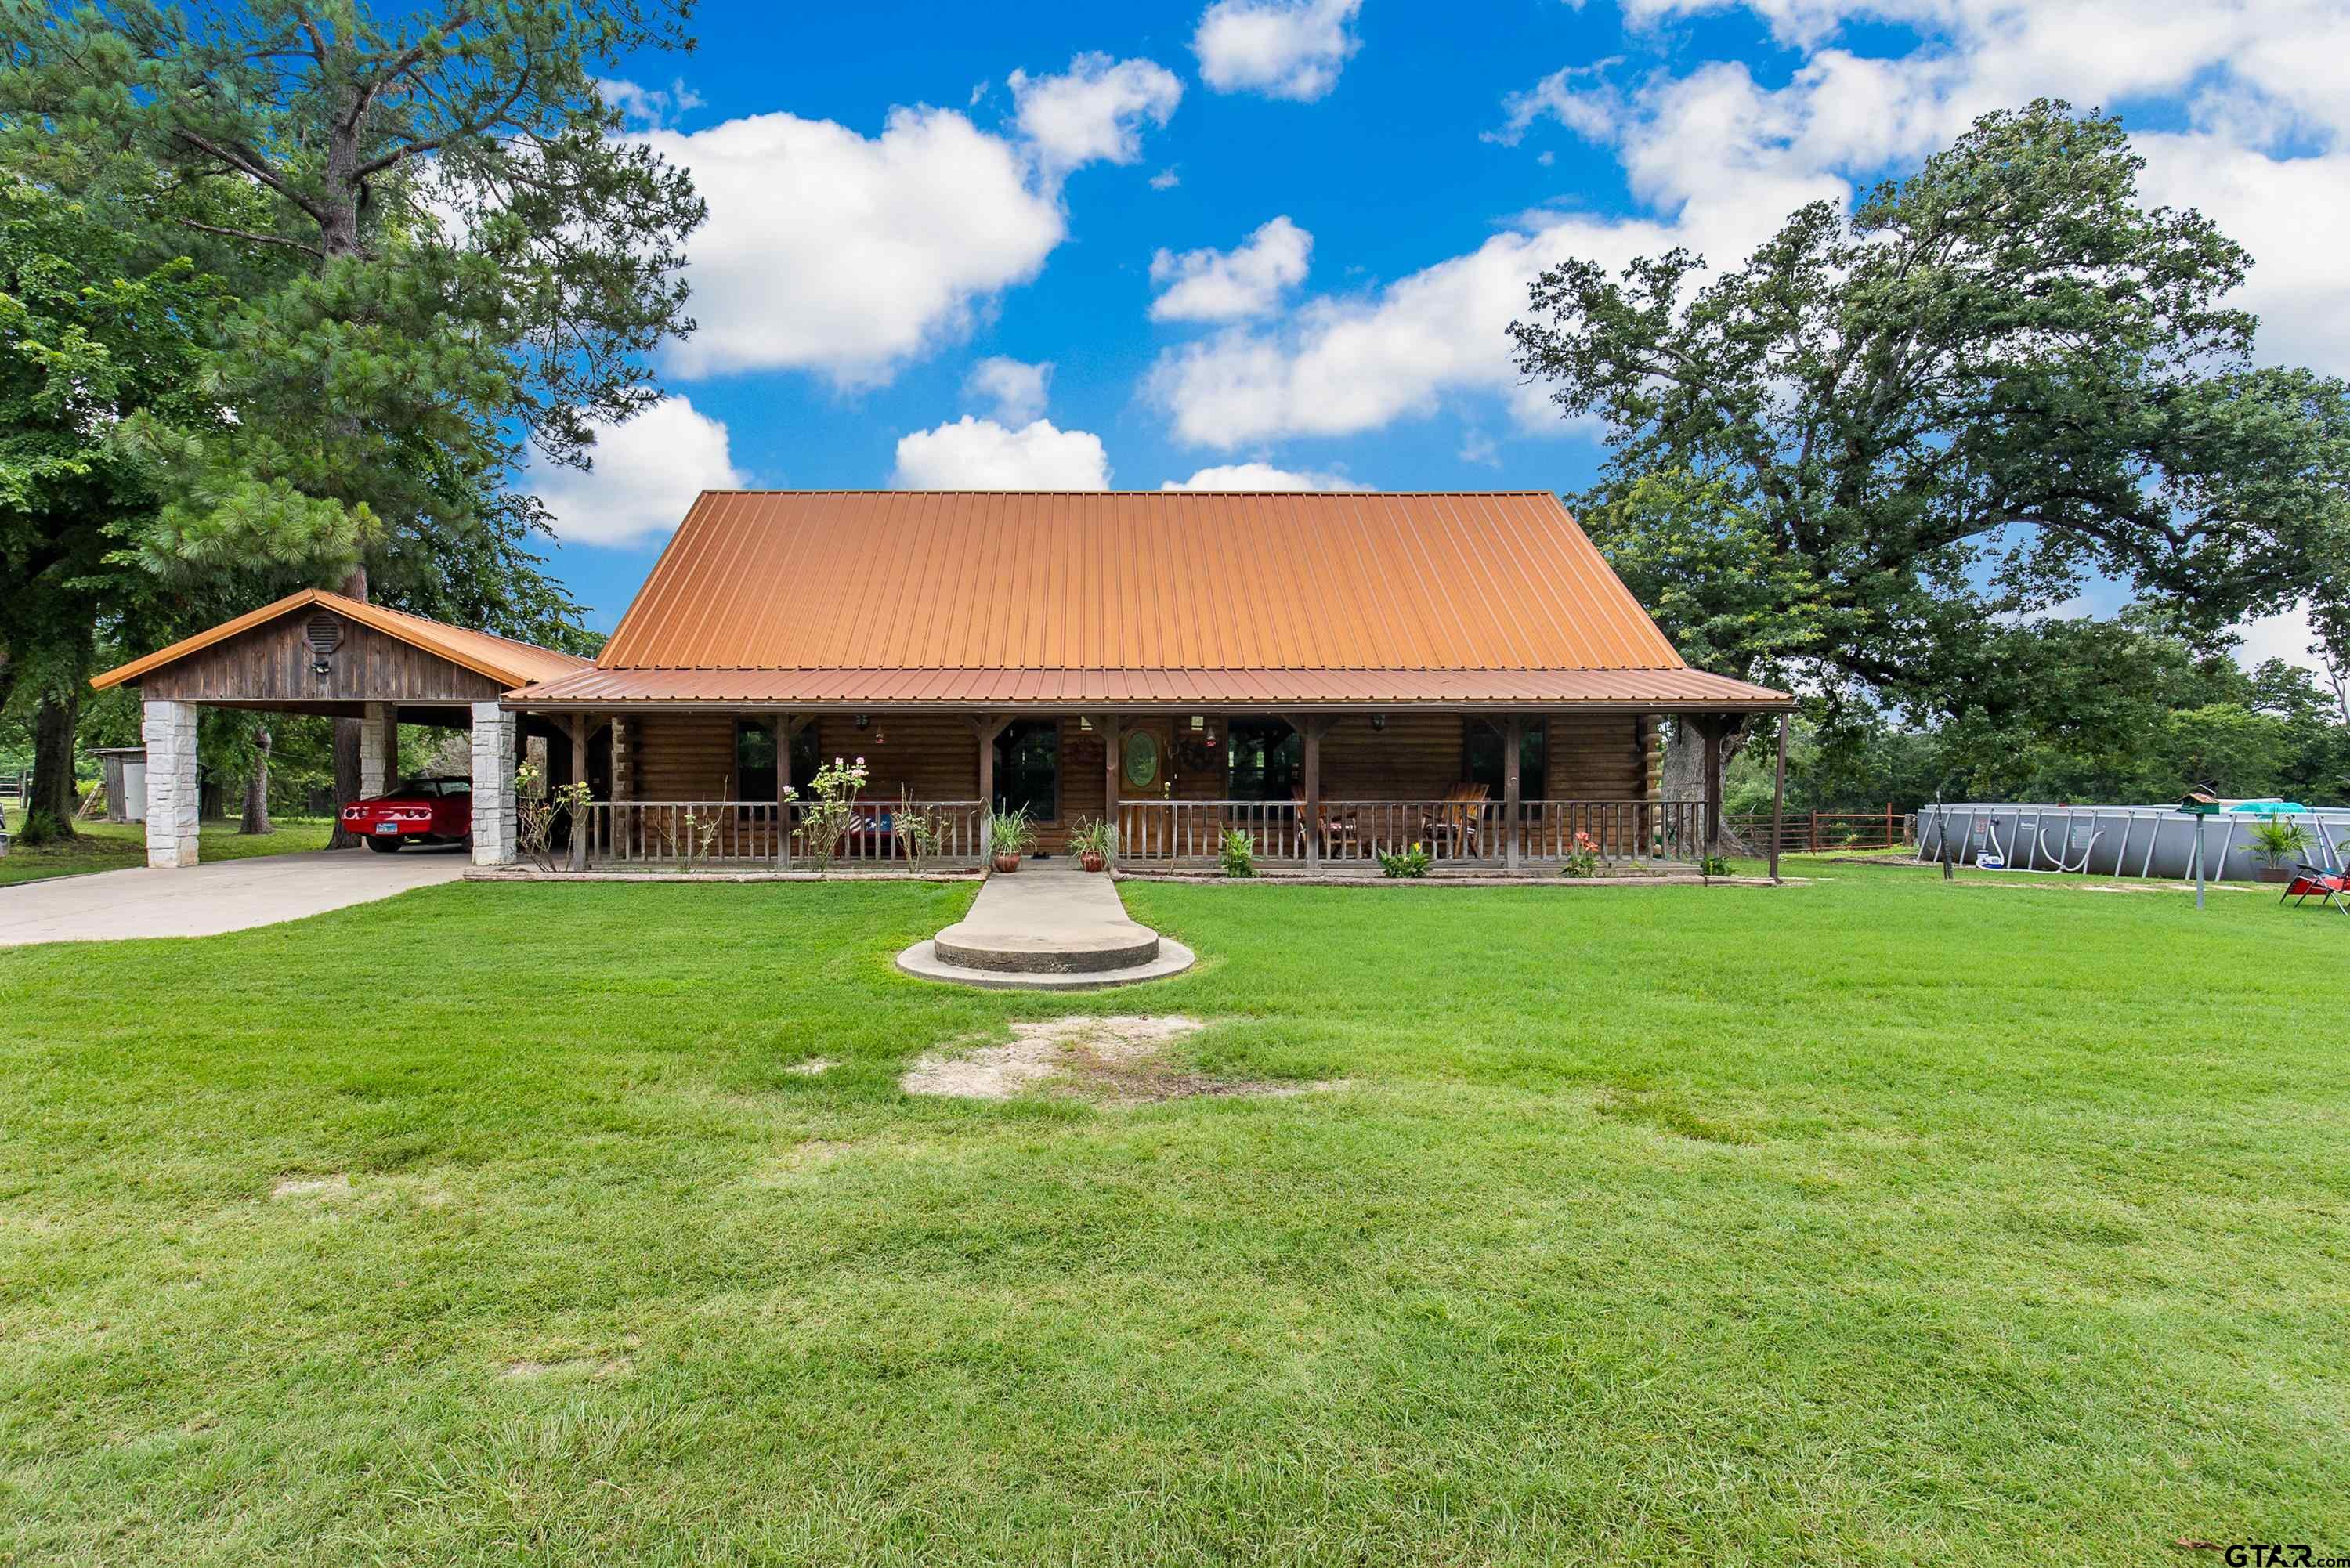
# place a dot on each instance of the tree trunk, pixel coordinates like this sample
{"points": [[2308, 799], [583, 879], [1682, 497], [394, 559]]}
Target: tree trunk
{"points": [[347, 742], [49, 806], [1683, 775], [256, 787]]}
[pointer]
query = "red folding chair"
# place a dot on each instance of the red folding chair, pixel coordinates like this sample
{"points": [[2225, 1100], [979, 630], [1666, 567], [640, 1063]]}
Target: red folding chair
{"points": [[2329, 883]]}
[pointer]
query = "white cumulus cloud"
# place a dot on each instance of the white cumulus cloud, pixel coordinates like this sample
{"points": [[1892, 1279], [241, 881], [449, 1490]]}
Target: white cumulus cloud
{"points": [[647, 473], [1016, 389], [650, 105], [847, 254], [1094, 111], [980, 454], [1283, 49], [1719, 160], [1226, 285], [1261, 476]]}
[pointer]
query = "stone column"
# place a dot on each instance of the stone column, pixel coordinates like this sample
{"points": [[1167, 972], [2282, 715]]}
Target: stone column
{"points": [[494, 784], [379, 749], [170, 729]]}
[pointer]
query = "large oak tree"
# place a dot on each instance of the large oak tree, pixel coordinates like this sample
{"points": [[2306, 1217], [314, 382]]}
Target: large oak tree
{"points": [[1896, 437], [449, 253]]}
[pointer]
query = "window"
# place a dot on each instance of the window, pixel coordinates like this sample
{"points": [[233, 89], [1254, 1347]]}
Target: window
{"points": [[1480, 760], [1265, 759], [1028, 768], [807, 755], [755, 759]]}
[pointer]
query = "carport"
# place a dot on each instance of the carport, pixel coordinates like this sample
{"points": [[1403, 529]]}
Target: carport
{"points": [[322, 653]]}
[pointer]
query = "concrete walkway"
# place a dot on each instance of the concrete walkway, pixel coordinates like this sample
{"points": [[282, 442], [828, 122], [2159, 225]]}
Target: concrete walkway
{"points": [[206, 899], [1046, 927]]}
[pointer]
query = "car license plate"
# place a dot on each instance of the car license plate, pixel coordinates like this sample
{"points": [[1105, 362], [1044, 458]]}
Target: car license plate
{"points": [[387, 829]]}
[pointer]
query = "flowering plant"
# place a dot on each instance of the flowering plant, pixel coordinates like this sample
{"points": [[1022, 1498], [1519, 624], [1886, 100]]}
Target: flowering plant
{"points": [[1582, 859], [1412, 862], [831, 810]]}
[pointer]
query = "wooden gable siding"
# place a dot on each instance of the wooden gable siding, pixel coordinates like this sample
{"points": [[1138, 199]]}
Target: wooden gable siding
{"points": [[272, 663]]}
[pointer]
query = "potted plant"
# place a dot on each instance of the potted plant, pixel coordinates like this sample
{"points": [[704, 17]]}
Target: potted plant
{"points": [[2277, 844], [1009, 835], [1093, 842]]}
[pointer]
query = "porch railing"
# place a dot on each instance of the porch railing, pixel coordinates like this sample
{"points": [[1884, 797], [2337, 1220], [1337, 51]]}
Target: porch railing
{"points": [[1459, 834], [746, 834]]}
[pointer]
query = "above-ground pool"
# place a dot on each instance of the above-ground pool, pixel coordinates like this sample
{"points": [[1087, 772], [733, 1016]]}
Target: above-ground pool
{"points": [[2117, 840]]}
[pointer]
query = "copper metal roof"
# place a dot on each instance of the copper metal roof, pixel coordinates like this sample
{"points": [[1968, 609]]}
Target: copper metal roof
{"points": [[498, 659], [1138, 597]]}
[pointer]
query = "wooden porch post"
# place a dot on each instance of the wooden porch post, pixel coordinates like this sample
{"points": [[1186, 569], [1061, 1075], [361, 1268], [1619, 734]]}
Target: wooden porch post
{"points": [[1311, 730], [787, 729], [1512, 743], [1712, 728], [1778, 800], [579, 819], [987, 726], [1108, 724]]}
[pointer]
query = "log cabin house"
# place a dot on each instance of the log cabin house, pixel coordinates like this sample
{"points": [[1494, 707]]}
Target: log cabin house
{"points": [[1334, 675]]}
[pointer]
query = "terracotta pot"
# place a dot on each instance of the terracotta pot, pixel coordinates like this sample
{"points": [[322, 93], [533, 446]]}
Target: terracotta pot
{"points": [[1092, 862], [2277, 873], [1007, 863]]}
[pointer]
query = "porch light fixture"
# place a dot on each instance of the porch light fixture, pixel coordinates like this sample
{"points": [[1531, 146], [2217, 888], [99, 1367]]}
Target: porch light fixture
{"points": [[1085, 725], [864, 719], [1199, 720], [1378, 720]]}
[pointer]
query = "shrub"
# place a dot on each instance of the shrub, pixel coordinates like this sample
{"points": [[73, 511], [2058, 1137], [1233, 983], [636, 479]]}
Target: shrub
{"points": [[1238, 855], [1714, 866], [832, 808], [920, 833], [1412, 862]]}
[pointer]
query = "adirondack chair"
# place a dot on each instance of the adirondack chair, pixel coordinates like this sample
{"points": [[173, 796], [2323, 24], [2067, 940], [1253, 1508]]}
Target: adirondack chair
{"points": [[1458, 820]]}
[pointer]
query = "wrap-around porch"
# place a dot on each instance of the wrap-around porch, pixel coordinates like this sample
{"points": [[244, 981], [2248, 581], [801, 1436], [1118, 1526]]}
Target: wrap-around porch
{"points": [[1481, 791]]}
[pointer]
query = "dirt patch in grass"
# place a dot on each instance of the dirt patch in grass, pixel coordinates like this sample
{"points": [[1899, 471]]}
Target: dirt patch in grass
{"points": [[1120, 1060], [313, 1187], [576, 1368], [813, 1067]]}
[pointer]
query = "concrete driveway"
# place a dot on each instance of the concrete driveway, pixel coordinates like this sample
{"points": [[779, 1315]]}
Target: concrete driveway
{"points": [[207, 899]]}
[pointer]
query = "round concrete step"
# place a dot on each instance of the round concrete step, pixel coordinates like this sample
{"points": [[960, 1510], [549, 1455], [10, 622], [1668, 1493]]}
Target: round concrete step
{"points": [[1088, 951], [921, 961]]}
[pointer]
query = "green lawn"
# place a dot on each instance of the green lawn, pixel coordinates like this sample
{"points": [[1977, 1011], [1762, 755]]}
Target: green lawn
{"points": [[1865, 1221], [112, 846]]}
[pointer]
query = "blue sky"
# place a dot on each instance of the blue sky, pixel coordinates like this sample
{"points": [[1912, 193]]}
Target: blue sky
{"points": [[1276, 240]]}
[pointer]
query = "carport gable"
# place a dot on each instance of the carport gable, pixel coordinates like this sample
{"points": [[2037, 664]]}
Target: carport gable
{"points": [[319, 652]]}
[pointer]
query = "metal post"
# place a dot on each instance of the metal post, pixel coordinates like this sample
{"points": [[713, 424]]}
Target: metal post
{"points": [[2198, 862], [1778, 800]]}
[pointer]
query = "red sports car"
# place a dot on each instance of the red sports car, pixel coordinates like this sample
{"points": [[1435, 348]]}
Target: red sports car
{"points": [[421, 811]]}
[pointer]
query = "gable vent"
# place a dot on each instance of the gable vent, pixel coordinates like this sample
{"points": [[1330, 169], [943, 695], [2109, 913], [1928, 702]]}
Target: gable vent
{"points": [[325, 634]]}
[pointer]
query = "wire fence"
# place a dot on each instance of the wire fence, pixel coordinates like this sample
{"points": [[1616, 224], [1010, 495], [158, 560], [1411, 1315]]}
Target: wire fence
{"points": [[1825, 832]]}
